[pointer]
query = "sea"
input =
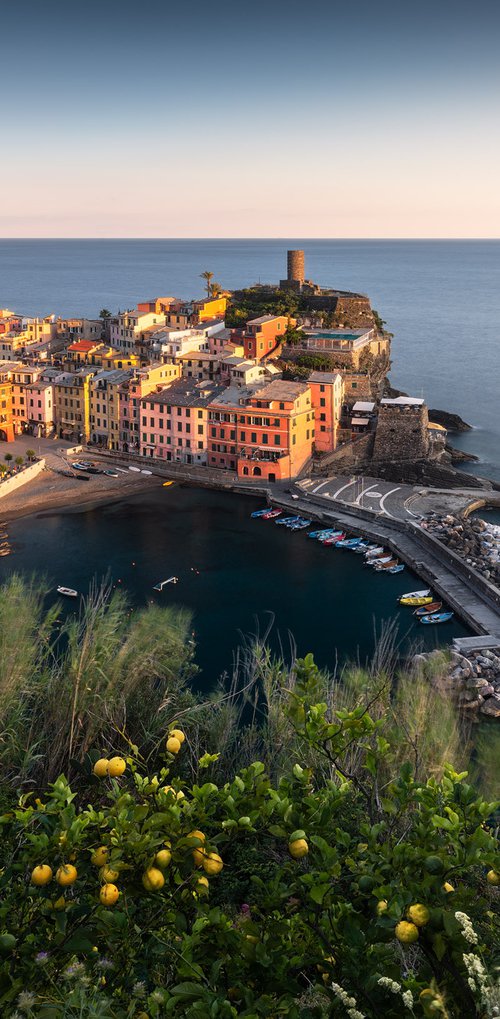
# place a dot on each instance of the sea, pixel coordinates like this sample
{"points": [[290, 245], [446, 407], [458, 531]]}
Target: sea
{"points": [[239, 577]]}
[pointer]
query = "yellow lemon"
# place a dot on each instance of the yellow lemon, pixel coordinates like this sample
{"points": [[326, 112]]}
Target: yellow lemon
{"points": [[212, 863], [177, 734], [405, 932], [419, 914], [100, 856], [153, 879], [298, 848], [173, 745], [163, 857], [493, 877], [202, 886], [41, 875], [382, 906], [101, 767], [108, 875], [109, 894], [198, 852], [116, 767], [66, 874], [448, 887]]}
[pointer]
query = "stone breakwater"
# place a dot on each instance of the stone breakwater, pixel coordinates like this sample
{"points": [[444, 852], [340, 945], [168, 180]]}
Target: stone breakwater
{"points": [[474, 540], [472, 680]]}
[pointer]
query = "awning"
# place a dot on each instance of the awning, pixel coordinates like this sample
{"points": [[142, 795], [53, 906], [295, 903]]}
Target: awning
{"points": [[360, 421]]}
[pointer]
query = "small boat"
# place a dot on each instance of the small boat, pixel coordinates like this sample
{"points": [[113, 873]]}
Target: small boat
{"points": [[256, 513], [360, 549], [386, 566], [68, 591], [414, 600], [416, 594], [321, 534], [299, 525], [379, 561], [146, 472], [161, 584], [428, 610], [286, 521], [374, 551], [166, 484], [137, 470], [272, 514], [334, 538], [396, 569], [4, 551], [437, 617], [348, 543]]}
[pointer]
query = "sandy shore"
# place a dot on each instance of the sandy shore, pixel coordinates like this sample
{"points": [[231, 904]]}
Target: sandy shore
{"points": [[51, 491]]}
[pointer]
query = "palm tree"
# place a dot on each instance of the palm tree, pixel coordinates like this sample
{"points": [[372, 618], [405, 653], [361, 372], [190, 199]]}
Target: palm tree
{"points": [[208, 277], [215, 290], [104, 313]]}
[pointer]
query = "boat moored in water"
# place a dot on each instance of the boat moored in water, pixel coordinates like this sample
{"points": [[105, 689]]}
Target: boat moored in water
{"points": [[416, 598], [429, 610], [396, 569], [69, 592], [271, 514], [161, 583], [437, 617], [259, 513]]}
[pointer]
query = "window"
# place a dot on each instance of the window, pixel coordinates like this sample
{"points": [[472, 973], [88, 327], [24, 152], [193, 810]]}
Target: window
{"points": [[322, 417], [253, 437], [354, 385], [294, 439], [144, 438], [322, 389], [222, 433], [282, 406], [276, 440], [307, 434], [144, 421], [151, 422], [152, 439], [213, 433], [188, 428], [322, 428], [200, 429], [200, 413], [264, 439], [322, 402]]}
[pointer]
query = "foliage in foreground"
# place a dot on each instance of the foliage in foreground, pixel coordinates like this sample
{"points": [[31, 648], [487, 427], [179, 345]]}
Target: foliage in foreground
{"points": [[357, 890]]}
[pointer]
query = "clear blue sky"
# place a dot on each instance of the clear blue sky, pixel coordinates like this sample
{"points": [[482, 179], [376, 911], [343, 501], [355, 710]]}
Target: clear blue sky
{"points": [[275, 118]]}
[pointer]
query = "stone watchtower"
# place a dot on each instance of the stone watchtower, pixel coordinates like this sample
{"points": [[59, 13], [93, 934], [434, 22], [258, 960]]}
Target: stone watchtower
{"points": [[295, 267], [402, 430]]}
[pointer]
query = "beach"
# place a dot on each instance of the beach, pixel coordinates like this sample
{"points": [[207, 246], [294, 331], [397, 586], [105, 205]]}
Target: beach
{"points": [[52, 490]]}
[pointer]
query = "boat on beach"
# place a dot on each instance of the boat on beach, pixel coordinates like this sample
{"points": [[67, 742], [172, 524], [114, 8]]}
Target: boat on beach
{"points": [[437, 617], [68, 592], [429, 610]]}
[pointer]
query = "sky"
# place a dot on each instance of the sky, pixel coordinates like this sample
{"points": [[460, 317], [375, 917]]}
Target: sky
{"points": [[269, 119]]}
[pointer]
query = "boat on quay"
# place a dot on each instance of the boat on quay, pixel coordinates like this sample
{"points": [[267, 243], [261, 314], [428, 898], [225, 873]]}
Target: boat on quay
{"points": [[416, 598], [437, 617], [429, 610]]}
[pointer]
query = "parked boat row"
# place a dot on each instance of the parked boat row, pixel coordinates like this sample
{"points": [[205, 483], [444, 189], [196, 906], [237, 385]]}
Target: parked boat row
{"points": [[427, 608]]}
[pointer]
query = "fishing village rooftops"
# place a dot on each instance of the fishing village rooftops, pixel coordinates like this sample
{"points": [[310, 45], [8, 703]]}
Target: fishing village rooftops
{"points": [[114, 375], [84, 346], [281, 391], [262, 319], [186, 393], [363, 407], [324, 377], [403, 401]]}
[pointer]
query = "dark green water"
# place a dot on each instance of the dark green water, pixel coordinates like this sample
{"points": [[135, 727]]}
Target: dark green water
{"points": [[250, 573]]}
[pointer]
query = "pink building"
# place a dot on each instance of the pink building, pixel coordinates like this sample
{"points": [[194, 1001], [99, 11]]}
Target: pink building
{"points": [[174, 422], [40, 409], [144, 381]]}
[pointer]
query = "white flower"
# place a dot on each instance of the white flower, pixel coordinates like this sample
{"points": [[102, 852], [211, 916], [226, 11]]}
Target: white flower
{"points": [[26, 1000], [407, 997], [346, 1000], [391, 985], [468, 931]]}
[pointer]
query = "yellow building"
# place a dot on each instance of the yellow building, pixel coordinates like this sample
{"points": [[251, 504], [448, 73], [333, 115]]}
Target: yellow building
{"points": [[104, 392], [72, 404], [214, 308]]}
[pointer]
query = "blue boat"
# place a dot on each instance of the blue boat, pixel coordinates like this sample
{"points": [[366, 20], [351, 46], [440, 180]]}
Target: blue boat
{"points": [[349, 543], [260, 513], [396, 569], [299, 524], [320, 534], [437, 617], [287, 521]]}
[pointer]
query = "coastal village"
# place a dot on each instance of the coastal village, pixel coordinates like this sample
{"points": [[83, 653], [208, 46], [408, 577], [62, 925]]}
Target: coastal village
{"points": [[267, 397]]}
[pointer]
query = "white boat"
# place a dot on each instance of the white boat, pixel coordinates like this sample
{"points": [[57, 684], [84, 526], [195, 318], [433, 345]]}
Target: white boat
{"points": [[161, 584], [136, 469], [146, 472], [415, 594], [68, 591]]}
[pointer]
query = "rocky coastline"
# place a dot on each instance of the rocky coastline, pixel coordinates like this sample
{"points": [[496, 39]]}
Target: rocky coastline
{"points": [[474, 540], [472, 681]]}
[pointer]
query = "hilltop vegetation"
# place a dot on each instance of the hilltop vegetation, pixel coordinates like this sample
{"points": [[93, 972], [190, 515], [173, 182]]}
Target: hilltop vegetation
{"points": [[293, 846]]}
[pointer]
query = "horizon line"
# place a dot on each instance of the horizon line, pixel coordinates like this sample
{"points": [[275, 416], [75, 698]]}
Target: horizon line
{"points": [[242, 237]]}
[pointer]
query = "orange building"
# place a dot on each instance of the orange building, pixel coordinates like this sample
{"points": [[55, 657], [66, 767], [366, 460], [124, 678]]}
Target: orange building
{"points": [[262, 431], [327, 394], [6, 419], [262, 337]]}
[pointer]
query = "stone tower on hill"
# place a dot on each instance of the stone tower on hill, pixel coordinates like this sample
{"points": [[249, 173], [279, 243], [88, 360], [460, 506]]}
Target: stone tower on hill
{"points": [[402, 430], [295, 266]]}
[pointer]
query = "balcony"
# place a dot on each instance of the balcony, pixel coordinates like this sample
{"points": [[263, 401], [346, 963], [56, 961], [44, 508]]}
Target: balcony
{"points": [[263, 454]]}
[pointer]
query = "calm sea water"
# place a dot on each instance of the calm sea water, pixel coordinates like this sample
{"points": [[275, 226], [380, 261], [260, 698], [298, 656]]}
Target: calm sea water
{"points": [[237, 575], [441, 299]]}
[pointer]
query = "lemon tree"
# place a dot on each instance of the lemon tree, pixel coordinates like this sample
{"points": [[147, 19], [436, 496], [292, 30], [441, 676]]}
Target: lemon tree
{"points": [[305, 897]]}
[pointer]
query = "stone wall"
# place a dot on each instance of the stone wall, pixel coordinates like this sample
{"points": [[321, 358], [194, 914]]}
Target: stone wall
{"points": [[402, 432], [17, 480], [348, 457]]}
